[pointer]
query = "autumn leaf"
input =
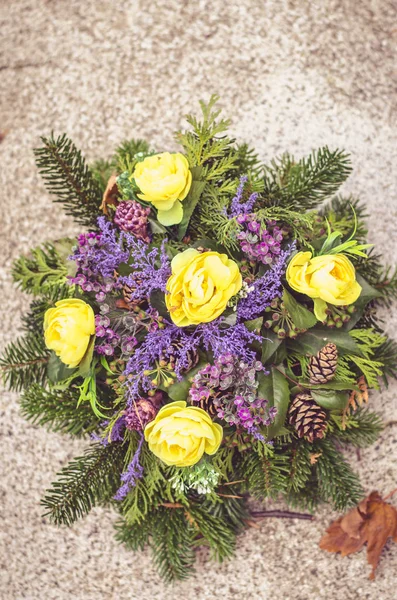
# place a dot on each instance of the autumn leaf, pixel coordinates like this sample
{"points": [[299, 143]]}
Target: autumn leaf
{"points": [[110, 196], [372, 522]]}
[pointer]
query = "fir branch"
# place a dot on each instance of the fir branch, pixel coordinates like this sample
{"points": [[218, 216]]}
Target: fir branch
{"points": [[386, 354], [340, 216], [300, 467], [172, 543], [67, 176], [218, 533], [338, 484], [84, 482], [24, 362], [58, 410], [101, 171], [305, 184], [363, 429], [41, 271], [128, 153], [135, 537], [266, 474]]}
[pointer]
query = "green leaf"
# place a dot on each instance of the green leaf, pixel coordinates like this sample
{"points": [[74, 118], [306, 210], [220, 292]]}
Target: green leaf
{"points": [[270, 344], [190, 202], [330, 385], [330, 399], [312, 341], [157, 301], [274, 387], [301, 316], [254, 324], [57, 370], [85, 364]]}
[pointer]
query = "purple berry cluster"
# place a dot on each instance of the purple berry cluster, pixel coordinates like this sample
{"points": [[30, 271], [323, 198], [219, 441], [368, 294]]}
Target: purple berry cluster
{"points": [[133, 217], [259, 243], [232, 387], [85, 277]]}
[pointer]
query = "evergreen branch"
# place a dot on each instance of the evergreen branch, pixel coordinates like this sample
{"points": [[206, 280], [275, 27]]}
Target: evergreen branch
{"points": [[172, 543], [218, 533], [338, 484], [84, 482], [305, 184], [135, 537], [40, 272], [363, 429], [24, 362], [67, 176], [267, 474], [386, 354], [58, 410]]}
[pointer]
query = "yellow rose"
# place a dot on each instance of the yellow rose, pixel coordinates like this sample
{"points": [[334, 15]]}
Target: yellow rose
{"points": [[68, 328], [180, 434], [200, 286], [330, 278], [164, 180]]}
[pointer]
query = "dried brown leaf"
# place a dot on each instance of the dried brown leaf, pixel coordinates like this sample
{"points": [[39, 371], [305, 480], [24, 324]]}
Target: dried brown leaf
{"points": [[372, 522], [110, 195]]}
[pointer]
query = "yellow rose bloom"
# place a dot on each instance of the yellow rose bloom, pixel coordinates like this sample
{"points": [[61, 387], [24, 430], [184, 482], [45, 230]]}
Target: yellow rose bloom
{"points": [[164, 180], [68, 328], [330, 278], [180, 434], [200, 286]]}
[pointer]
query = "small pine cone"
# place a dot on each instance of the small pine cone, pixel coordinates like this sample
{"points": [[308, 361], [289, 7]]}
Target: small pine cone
{"points": [[128, 291], [208, 405], [322, 366], [142, 411], [170, 357], [308, 418]]}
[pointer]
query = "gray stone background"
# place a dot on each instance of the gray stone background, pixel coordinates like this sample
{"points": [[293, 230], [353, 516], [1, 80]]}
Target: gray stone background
{"points": [[292, 75]]}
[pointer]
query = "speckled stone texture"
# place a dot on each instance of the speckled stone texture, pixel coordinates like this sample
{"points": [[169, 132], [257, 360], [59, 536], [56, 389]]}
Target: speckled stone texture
{"points": [[292, 75]]}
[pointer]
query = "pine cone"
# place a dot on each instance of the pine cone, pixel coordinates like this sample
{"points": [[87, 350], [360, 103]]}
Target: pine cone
{"points": [[128, 291], [169, 358], [308, 418], [207, 404], [322, 366]]}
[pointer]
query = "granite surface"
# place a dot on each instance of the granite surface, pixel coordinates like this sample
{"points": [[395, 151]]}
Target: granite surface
{"points": [[292, 75]]}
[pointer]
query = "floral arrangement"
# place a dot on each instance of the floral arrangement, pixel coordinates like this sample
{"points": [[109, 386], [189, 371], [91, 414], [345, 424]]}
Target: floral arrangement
{"points": [[214, 331]]}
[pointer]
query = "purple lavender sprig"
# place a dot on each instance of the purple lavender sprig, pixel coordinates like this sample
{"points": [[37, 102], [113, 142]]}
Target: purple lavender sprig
{"points": [[237, 206], [133, 473], [264, 289]]}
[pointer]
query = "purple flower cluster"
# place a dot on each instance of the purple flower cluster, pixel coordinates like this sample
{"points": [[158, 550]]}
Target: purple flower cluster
{"points": [[98, 257], [264, 289], [133, 217], [231, 384], [262, 244], [133, 472], [89, 247], [237, 205]]}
